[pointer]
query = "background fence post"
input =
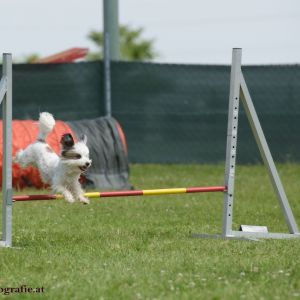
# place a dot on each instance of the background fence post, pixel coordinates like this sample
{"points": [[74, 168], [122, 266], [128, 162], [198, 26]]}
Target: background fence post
{"points": [[111, 26], [107, 81], [111, 43]]}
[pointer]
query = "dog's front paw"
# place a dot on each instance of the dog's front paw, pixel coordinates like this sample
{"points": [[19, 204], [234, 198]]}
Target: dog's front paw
{"points": [[84, 200], [69, 198]]}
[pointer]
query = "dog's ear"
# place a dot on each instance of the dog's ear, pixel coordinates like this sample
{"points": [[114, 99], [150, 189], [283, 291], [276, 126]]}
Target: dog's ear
{"points": [[67, 141], [83, 138]]}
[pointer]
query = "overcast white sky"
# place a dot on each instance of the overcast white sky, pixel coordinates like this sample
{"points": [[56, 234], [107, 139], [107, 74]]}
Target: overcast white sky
{"points": [[185, 31]]}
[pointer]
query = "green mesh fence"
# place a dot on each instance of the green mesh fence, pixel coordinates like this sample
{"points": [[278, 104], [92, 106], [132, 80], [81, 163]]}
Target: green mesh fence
{"points": [[69, 91], [169, 113]]}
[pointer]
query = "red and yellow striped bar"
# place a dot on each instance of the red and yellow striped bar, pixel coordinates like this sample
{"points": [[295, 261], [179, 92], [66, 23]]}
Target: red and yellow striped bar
{"points": [[152, 192]]}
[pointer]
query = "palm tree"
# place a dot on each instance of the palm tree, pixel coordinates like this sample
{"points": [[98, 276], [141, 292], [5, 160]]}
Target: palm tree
{"points": [[132, 45]]}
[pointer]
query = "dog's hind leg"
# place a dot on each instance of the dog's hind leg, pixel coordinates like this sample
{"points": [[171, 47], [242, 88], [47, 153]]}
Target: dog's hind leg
{"points": [[23, 158]]}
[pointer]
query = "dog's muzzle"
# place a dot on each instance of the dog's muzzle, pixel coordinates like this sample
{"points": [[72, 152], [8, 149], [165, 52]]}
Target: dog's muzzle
{"points": [[85, 167]]}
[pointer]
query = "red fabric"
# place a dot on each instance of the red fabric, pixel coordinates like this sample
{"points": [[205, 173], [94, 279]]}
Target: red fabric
{"points": [[122, 137], [23, 134]]}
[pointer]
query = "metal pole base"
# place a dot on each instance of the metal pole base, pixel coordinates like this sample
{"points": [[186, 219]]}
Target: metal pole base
{"points": [[4, 245], [219, 236], [247, 236]]}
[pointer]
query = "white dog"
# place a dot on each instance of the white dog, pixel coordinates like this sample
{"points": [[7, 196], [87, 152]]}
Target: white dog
{"points": [[61, 172]]}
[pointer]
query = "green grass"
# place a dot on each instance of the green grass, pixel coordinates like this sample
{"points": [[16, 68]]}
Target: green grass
{"points": [[141, 248]]}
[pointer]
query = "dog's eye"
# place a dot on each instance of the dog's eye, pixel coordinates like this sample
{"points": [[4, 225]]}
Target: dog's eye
{"points": [[70, 155]]}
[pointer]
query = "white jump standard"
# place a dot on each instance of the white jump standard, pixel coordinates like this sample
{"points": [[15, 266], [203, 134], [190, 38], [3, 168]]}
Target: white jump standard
{"points": [[6, 99], [238, 89]]}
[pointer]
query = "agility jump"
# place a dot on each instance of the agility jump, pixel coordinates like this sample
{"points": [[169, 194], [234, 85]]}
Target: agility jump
{"points": [[238, 90]]}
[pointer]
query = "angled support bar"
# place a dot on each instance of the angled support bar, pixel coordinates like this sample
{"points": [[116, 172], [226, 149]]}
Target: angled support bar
{"points": [[267, 157]]}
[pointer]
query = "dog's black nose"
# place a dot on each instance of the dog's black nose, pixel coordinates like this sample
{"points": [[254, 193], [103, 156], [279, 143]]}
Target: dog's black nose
{"points": [[87, 164]]}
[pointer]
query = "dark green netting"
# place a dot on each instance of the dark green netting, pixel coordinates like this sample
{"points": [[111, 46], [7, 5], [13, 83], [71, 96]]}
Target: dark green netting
{"points": [[170, 113]]}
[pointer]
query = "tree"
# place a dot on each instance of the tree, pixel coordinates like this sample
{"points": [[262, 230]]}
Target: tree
{"points": [[31, 58], [132, 45]]}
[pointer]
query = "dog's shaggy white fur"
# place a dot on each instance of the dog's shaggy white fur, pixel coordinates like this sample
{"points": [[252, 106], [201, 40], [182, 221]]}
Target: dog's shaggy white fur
{"points": [[60, 172]]}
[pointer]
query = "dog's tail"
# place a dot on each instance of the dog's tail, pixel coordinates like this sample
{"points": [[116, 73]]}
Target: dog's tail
{"points": [[46, 124]]}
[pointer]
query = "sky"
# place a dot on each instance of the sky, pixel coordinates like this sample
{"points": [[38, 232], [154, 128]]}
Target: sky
{"points": [[184, 31]]}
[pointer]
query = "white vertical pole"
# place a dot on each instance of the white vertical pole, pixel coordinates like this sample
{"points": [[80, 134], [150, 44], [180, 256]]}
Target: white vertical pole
{"points": [[233, 110], [7, 154]]}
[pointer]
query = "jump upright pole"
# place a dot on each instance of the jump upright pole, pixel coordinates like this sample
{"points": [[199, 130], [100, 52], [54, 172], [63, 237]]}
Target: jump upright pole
{"points": [[151, 192], [6, 99]]}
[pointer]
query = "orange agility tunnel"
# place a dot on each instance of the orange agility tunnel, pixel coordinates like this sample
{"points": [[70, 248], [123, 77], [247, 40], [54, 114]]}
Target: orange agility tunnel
{"points": [[24, 132], [106, 141]]}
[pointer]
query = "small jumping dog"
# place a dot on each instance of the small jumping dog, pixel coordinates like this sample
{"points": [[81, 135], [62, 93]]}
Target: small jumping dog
{"points": [[60, 172]]}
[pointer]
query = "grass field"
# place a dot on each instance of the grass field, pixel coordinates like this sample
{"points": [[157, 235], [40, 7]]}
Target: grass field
{"points": [[141, 248]]}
